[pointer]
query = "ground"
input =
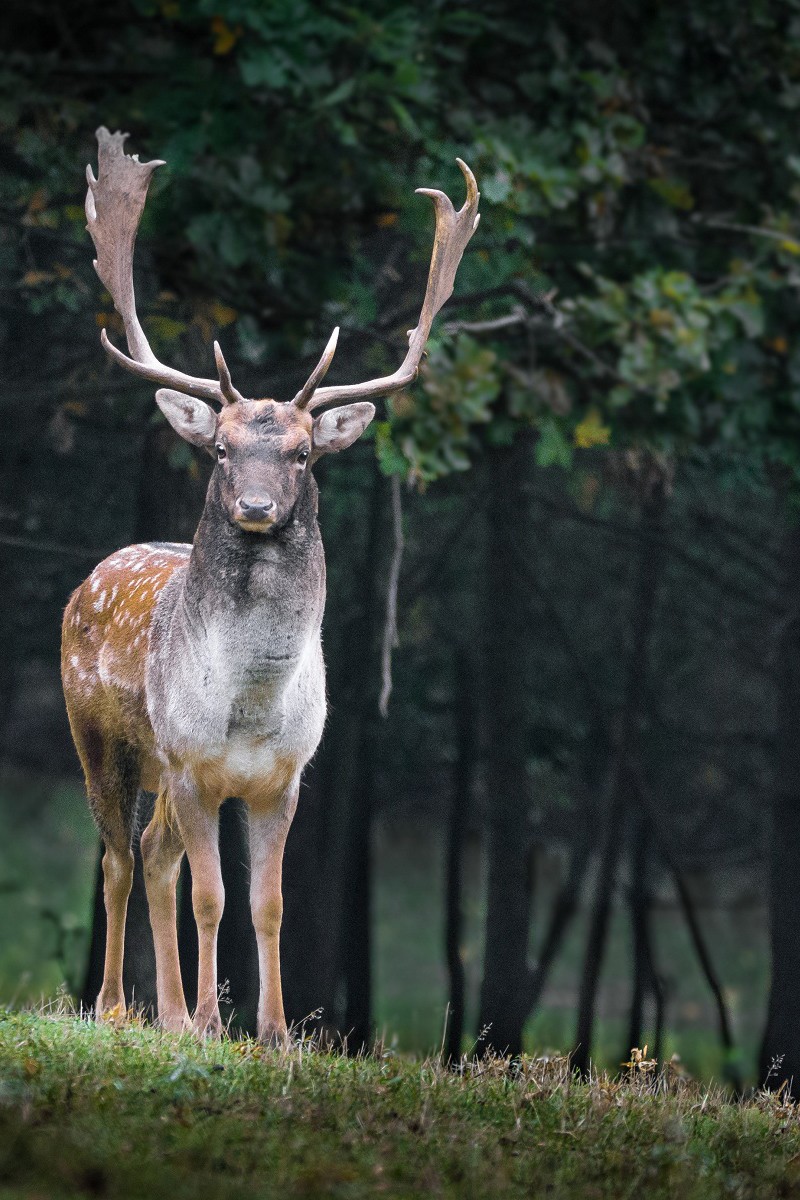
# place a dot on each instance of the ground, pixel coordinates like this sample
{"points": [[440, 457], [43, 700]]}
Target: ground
{"points": [[129, 1112]]}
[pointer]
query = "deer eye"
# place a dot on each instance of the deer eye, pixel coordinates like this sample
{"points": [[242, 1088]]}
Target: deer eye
{"points": [[222, 453], [302, 457]]}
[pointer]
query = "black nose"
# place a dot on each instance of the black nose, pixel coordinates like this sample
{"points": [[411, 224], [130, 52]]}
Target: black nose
{"points": [[256, 508]]}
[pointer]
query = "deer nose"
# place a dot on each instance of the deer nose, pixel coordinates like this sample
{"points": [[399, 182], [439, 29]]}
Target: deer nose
{"points": [[255, 508]]}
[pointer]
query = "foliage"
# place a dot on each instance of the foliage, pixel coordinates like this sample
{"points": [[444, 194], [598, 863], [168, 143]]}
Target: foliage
{"points": [[642, 211], [130, 1112]]}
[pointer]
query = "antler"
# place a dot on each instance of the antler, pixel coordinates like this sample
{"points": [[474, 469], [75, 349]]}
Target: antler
{"points": [[318, 374], [114, 205], [453, 231]]}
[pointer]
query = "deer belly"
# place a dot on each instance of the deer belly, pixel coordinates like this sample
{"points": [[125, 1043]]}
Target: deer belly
{"points": [[255, 770]]}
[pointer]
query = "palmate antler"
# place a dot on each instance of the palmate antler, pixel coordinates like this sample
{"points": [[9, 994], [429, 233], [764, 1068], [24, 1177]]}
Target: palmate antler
{"points": [[114, 205]]}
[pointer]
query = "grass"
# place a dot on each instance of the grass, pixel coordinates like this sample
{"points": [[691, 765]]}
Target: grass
{"points": [[130, 1112]]}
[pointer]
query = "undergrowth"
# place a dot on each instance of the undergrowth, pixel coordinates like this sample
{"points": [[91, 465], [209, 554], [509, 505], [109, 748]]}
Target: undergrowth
{"points": [[127, 1111]]}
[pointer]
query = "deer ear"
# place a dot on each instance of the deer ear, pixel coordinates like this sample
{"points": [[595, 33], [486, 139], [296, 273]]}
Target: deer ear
{"points": [[194, 420], [338, 428]]}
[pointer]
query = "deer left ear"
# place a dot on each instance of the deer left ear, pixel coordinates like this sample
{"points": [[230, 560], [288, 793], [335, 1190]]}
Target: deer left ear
{"points": [[338, 428], [193, 419]]}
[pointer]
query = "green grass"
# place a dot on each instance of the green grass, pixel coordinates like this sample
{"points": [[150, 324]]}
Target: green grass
{"points": [[130, 1112]]}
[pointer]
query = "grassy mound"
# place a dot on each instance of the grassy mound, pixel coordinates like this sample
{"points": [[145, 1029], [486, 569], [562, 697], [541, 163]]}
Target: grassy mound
{"points": [[130, 1112]]}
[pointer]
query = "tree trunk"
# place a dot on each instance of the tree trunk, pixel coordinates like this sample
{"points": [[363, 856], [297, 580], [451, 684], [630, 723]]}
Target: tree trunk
{"points": [[564, 909], [303, 911], [348, 768], [649, 565], [356, 944], [710, 975], [598, 932], [503, 1000], [639, 909], [237, 955], [460, 805], [596, 756], [780, 1050]]}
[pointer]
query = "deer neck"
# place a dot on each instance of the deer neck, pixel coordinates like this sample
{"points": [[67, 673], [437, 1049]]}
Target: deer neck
{"points": [[262, 593]]}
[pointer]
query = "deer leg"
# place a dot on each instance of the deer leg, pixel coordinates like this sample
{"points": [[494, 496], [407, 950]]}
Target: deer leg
{"points": [[268, 832], [199, 830], [117, 881], [162, 851], [112, 784]]}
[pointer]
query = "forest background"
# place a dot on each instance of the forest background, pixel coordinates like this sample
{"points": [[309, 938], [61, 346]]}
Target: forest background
{"points": [[578, 824]]}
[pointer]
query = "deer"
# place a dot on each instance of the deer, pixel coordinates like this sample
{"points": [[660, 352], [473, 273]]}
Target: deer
{"points": [[195, 672]]}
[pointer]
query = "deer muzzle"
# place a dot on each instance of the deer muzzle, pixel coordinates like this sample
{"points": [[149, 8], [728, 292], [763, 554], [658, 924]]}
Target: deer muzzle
{"points": [[255, 513]]}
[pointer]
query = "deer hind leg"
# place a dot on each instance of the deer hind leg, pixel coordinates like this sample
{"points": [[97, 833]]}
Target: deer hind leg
{"points": [[198, 824], [162, 851], [268, 833], [112, 784]]}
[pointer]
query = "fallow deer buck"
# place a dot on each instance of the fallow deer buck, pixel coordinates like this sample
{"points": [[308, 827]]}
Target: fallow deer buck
{"points": [[196, 672]]}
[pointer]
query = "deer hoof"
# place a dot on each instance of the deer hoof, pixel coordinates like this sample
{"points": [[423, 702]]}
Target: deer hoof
{"points": [[273, 1033], [175, 1022], [110, 1008], [208, 1024]]}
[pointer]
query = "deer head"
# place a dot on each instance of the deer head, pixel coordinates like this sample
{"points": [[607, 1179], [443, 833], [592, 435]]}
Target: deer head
{"points": [[263, 448]]}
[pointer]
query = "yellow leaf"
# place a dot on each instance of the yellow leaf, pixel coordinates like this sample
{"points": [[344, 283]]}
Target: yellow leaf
{"points": [[385, 220], [790, 246], [165, 328], [225, 38], [34, 278], [223, 314], [592, 431], [37, 201], [660, 317], [778, 344], [77, 407]]}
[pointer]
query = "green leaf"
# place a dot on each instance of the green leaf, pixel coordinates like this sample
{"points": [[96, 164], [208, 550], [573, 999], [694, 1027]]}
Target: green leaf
{"points": [[552, 448]]}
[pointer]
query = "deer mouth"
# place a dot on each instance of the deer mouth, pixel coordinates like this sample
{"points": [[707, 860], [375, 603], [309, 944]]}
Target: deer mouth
{"points": [[262, 526]]}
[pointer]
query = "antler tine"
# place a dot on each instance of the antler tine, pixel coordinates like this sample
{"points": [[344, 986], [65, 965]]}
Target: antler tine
{"points": [[229, 393], [453, 232], [114, 205], [304, 396]]}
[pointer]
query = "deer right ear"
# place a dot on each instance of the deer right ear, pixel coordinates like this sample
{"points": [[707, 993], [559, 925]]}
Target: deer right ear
{"points": [[194, 420]]}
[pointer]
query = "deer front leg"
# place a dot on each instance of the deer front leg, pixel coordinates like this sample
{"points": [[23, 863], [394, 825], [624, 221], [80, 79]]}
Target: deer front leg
{"points": [[268, 832], [162, 851], [198, 823]]}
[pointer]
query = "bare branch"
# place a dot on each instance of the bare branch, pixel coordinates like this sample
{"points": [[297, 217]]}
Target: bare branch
{"points": [[390, 624]]}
